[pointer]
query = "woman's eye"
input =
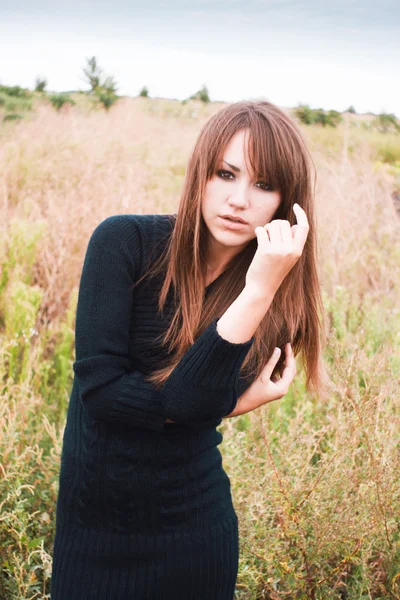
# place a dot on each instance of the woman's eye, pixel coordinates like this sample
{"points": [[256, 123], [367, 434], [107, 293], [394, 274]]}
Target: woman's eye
{"points": [[266, 186], [222, 173]]}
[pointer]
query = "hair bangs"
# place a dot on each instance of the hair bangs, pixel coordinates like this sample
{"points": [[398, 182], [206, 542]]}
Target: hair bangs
{"points": [[265, 163]]}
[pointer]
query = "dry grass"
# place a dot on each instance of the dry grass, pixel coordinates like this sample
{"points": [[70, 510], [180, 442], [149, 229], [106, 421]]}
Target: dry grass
{"points": [[315, 486]]}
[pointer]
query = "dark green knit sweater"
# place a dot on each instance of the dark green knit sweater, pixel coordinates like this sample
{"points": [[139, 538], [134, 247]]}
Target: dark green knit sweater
{"points": [[144, 508]]}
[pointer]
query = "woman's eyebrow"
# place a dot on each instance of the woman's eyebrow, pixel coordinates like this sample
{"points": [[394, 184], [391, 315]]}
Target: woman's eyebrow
{"points": [[232, 166]]}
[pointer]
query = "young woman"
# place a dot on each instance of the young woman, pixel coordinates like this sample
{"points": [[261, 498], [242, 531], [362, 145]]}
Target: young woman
{"points": [[177, 320]]}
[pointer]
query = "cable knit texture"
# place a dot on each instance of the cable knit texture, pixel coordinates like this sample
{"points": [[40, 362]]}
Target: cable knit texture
{"points": [[144, 508]]}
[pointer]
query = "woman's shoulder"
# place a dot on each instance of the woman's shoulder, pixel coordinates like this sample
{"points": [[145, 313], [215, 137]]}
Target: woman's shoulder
{"points": [[125, 224], [129, 238], [140, 232], [138, 237]]}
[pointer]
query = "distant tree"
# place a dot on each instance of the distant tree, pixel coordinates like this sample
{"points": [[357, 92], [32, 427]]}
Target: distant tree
{"points": [[40, 84], [93, 73], [352, 110], [106, 92], [331, 118], [305, 114], [107, 100], [58, 100], [308, 116], [104, 88], [320, 117], [202, 95], [334, 118], [144, 92], [110, 85], [386, 123]]}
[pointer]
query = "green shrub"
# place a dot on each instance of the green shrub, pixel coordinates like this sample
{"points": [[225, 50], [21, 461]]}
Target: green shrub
{"points": [[13, 104], [386, 123], [58, 100], [12, 117], [305, 114], [15, 100], [16, 91], [309, 116], [106, 92], [40, 84], [107, 99], [331, 118], [334, 118], [389, 152], [202, 95], [144, 92]]}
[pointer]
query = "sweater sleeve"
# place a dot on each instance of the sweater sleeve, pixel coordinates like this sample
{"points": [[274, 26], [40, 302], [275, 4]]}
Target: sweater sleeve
{"points": [[205, 383], [109, 386], [202, 386], [243, 383]]}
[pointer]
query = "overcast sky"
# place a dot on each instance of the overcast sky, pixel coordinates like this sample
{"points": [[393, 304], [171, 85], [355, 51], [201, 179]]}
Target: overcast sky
{"points": [[285, 51]]}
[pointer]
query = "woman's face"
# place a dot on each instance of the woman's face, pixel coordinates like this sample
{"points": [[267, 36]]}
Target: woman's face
{"points": [[232, 190]]}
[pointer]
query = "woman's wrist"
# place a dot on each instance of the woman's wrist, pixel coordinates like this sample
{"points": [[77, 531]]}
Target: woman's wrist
{"points": [[242, 317]]}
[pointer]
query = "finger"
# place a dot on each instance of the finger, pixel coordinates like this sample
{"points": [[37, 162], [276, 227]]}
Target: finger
{"points": [[274, 232], [290, 357], [262, 236], [301, 216], [286, 234], [283, 228], [289, 371], [270, 365], [302, 227], [290, 366]]}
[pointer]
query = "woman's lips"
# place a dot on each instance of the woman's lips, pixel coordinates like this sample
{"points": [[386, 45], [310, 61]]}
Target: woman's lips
{"points": [[235, 226]]}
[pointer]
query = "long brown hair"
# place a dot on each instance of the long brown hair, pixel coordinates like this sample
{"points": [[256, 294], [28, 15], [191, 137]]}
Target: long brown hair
{"points": [[277, 153]]}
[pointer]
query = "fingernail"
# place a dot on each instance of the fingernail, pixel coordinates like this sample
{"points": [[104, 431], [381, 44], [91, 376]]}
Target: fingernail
{"points": [[277, 350]]}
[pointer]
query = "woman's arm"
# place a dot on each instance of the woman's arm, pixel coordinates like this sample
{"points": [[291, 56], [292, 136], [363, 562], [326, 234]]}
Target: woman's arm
{"points": [[206, 378], [242, 385], [264, 389], [110, 388], [201, 387], [241, 319]]}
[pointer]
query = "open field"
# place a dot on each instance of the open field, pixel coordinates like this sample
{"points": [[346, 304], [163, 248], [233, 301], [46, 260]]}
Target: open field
{"points": [[315, 485]]}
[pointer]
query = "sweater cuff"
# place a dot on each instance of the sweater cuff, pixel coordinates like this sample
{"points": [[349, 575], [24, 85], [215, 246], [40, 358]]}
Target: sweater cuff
{"points": [[213, 362]]}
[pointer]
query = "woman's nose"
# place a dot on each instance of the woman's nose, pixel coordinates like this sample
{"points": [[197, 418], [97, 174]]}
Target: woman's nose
{"points": [[240, 196]]}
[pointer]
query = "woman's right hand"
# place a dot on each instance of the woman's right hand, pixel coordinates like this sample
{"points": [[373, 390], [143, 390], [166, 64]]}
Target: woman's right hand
{"points": [[280, 246], [263, 389]]}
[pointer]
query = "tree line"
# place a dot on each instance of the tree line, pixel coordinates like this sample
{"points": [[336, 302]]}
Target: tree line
{"points": [[103, 90]]}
